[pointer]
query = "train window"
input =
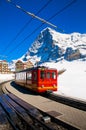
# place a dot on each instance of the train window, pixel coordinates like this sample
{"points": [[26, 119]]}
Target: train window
{"points": [[42, 75], [48, 75], [19, 76], [54, 75], [29, 75], [24, 76]]}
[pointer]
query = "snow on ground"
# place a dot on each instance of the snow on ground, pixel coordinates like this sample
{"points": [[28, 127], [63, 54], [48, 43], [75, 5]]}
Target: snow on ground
{"points": [[6, 77], [72, 82]]}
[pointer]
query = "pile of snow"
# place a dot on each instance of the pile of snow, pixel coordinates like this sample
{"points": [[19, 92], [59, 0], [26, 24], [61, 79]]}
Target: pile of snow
{"points": [[72, 82], [6, 77]]}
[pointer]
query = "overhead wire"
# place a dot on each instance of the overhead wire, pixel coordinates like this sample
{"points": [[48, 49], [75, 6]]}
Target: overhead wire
{"points": [[36, 29], [69, 4], [60, 11], [27, 23], [64, 8]]}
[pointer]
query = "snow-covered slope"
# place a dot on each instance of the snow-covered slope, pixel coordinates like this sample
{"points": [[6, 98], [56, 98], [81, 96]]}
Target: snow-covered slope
{"points": [[54, 46]]}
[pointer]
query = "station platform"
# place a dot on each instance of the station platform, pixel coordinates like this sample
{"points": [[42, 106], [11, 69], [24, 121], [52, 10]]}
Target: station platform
{"points": [[70, 115]]}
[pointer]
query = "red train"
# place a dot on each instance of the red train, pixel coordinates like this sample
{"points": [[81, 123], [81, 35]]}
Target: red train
{"points": [[39, 79]]}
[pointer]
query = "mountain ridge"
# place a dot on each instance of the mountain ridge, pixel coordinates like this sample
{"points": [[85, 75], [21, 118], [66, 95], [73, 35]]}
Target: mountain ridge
{"points": [[54, 46]]}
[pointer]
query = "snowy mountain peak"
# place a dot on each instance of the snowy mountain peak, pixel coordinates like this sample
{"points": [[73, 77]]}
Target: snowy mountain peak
{"points": [[54, 46]]}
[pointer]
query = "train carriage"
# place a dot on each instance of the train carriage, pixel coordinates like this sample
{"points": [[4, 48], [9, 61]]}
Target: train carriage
{"points": [[39, 79]]}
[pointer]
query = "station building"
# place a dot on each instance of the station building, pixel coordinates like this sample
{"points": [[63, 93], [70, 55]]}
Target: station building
{"points": [[4, 67], [21, 65]]}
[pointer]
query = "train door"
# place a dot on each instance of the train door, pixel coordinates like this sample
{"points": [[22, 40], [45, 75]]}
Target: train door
{"points": [[48, 78], [34, 79], [42, 77], [29, 79]]}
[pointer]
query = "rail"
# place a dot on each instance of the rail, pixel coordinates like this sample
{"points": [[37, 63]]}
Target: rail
{"points": [[68, 101], [24, 116]]}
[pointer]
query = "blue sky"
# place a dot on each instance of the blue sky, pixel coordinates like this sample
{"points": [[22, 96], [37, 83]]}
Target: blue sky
{"points": [[12, 20]]}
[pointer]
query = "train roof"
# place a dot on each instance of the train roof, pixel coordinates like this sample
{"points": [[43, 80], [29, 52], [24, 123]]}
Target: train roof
{"points": [[34, 68]]}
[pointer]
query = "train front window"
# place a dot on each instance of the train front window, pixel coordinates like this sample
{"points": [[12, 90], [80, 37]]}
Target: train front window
{"points": [[48, 75], [42, 75], [53, 75]]}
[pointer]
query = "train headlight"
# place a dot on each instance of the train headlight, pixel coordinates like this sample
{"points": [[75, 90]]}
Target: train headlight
{"points": [[42, 86], [54, 85]]}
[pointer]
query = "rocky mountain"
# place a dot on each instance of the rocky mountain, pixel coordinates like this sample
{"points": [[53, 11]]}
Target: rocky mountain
{"points": [[54, 46]]}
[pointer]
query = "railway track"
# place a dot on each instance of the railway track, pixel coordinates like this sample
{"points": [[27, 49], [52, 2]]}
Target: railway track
{"points": [[33, 118], [23, 116], [59, 98], [67, 100]]}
